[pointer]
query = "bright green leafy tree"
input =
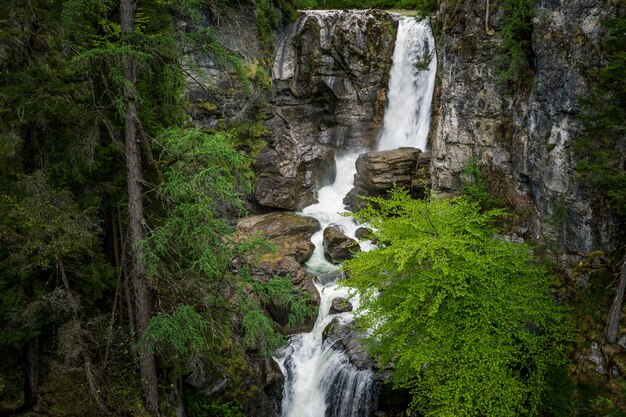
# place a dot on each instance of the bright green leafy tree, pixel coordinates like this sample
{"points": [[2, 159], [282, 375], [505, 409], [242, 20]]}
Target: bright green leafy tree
{"points": [[465, 317]]}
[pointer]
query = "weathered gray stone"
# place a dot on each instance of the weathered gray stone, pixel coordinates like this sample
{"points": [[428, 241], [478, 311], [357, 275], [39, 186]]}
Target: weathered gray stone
{"points": [[340, 305], [330, 277], [349, 340], [288, 173], [523, 135], [337, 246], [218, 95], [330, 75], [378, 172]]}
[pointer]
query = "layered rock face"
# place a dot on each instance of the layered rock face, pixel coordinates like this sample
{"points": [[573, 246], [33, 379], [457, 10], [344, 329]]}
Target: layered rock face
{"points": [[329, 75], [525, 136], [218, 94], [378, 172], [290, 235]]}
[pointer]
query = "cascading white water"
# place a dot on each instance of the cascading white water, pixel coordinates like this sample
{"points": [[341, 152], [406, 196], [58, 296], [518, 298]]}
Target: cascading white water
{"points": [[411, 86], [319, 380]]}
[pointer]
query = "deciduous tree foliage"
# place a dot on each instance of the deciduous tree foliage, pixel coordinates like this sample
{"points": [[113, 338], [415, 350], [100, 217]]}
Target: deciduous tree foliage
{"points": [[465, 317]]}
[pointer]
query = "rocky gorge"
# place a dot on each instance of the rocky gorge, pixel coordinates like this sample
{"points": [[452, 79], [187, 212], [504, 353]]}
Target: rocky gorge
{"points": [[329, 75], [312, 208]]}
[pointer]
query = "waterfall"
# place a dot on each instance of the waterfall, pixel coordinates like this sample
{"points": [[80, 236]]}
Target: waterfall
{"points": [[411, 86], [319, 380]]}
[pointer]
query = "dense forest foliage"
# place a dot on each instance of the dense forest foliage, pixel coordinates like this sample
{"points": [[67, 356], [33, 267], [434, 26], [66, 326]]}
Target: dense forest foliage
{"points": [[116, 233]]}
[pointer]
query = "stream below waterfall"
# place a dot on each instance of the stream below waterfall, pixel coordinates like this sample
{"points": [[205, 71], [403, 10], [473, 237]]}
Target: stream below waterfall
{"points": [[320, 381]]}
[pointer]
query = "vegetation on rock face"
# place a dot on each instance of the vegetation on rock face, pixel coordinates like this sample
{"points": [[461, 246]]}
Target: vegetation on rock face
{"points": [[601, 149], [516, 63], [600, 152], [466, 317]]}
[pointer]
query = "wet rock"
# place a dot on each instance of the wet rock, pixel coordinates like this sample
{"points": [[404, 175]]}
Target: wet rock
{"points": [[337, 246], [363, 233], [289, 233], [330, 74], [330, 277], [264, 380], [343, 337], [378, 172], [340, 305]]}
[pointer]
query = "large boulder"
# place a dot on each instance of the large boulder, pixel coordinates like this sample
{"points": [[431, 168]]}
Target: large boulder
{"points": [[337, 246], [344, 337], [290, 234], [378, 172], [363, 233], [329, 277], [340, 305], [288, 172]]}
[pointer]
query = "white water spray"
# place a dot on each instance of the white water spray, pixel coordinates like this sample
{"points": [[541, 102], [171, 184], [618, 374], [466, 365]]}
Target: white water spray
{"points": [[319, 380], [411, 86]]}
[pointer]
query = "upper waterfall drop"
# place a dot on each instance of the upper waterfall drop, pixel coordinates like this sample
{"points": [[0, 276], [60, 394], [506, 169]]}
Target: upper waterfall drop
{"points": [[411, 87]]}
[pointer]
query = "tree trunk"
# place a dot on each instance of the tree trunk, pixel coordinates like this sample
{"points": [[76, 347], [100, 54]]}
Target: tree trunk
{"points": [[147, 364], [31, 373], [615, 312]]}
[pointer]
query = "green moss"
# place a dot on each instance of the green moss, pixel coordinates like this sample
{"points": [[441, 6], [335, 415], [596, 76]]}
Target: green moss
{"points": [[206, 106]]}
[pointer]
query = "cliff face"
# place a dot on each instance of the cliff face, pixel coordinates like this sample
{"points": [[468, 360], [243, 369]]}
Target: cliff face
{"points": [[329, 75], [226, 81], [525, 136]]}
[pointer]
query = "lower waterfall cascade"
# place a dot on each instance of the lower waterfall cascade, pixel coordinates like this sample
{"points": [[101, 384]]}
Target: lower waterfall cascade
{"points": [[320, 381]]}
